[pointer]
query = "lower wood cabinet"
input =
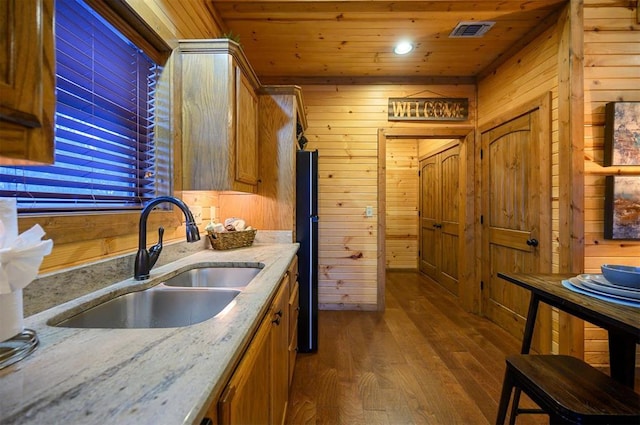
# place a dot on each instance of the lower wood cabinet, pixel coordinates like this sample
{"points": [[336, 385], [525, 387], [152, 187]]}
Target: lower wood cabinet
{"points": [[294, 309], [258, 390], [280, 353], [246, 398]]}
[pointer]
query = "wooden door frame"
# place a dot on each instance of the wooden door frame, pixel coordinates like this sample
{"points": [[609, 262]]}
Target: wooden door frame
{"points": [[469, 288]]}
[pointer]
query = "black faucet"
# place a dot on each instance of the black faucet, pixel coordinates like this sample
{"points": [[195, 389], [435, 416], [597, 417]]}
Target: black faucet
{"points": [[145, 260]]}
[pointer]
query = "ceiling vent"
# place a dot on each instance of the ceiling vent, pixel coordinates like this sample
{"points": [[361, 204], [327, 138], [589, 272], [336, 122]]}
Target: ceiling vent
{"points": [[471, 29]]}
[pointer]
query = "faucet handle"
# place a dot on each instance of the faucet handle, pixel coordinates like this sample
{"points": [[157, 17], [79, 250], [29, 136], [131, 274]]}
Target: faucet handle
{"points": [[160, 235], [155, 250]]}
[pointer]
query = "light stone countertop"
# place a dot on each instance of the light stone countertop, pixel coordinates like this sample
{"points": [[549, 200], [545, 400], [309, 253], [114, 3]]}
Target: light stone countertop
{"points": [[138, 376]]}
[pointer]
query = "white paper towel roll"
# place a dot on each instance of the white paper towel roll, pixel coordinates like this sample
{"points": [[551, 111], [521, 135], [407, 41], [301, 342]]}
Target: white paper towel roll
{"points": [[9, 218], [11, 315], [11, 321]]}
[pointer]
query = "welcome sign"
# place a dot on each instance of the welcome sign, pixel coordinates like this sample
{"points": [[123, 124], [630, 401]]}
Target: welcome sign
{"points": [[428, 109]]}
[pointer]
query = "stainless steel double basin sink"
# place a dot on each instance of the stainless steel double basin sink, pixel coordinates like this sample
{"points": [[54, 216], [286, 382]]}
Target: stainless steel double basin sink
{"points": [[187, 298]]}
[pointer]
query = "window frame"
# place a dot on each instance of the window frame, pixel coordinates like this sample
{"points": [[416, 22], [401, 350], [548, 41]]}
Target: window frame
{"points": [[116, 231]]}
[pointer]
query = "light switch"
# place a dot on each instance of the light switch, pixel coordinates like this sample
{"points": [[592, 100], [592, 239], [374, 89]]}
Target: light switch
{"points": [[368, 212]]}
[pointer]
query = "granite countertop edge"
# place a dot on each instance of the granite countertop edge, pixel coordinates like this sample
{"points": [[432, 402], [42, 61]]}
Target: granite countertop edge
{"points": [[139, 376]]}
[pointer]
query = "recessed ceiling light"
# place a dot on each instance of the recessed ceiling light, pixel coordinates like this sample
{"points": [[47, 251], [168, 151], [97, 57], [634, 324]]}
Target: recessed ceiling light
{"points": [[403, 47]]}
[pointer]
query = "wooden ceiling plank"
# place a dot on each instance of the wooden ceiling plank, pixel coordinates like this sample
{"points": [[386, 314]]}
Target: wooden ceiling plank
{"points": [[301, 7]]}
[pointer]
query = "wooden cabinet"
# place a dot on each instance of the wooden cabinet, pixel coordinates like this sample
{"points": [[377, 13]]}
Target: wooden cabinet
{"points": [[245, 399], [280, 108], [280, 353], [27, 82], [440, 200], [219, 117], [258, 390], [246, 157], [294, 309]]}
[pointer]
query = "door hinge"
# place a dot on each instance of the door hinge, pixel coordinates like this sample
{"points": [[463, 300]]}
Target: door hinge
{"points": [[481, 219], [418, 173], [481, 153], [481, 285]]}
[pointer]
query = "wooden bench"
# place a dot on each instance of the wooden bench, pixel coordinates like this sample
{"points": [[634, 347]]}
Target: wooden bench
{"points": [[568, 390]]}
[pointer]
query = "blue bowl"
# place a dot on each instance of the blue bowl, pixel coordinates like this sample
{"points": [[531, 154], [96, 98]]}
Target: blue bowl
{"points": [[622, 275]]}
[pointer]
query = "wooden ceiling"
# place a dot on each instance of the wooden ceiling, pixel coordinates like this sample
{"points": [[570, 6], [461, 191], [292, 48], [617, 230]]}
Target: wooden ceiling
{"points": [[303, 42]]}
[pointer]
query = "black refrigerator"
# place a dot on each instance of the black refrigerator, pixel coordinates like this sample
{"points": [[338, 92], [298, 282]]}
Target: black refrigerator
{"points": [[307, 237]]}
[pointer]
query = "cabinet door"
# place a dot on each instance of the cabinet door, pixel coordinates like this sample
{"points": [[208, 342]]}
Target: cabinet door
{"points": [[294, 309], [245, 399], [280, 353], [246, 154], [27, 81]]}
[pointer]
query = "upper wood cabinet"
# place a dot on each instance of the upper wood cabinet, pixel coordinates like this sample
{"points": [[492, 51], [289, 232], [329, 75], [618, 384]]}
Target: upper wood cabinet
{"points": [[280, 109], [27, 82], [219, 117]]}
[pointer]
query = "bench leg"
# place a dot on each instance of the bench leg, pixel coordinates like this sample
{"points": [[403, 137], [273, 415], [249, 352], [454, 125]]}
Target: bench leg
{"points": [[507, 386]]}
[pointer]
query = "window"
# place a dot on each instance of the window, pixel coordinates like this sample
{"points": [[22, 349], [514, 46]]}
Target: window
{"points": [[105, 149]]}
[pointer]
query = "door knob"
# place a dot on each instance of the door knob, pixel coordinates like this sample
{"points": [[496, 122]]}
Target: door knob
{"points": [[532, 242]]}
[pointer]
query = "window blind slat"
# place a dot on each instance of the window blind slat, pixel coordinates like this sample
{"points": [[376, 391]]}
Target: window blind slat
{"points": [[105, 115]]}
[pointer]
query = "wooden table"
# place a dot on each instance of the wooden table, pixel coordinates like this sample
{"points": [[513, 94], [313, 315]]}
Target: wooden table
{"points": [[621, 322]]}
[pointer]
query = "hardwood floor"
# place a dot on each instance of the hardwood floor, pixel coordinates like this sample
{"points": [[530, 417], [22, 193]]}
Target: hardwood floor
{"points": [[423, 361]]}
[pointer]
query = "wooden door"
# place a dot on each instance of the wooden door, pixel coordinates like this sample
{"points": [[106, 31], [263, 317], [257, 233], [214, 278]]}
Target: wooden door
{"points": [[515, 205], [440, 216], [449, 226], [429, 215]]}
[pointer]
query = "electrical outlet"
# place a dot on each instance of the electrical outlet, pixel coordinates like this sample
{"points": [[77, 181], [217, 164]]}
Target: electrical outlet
{"points": [[368, 212], [197, 214]]}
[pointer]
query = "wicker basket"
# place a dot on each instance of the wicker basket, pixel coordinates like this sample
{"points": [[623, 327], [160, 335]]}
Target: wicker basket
{"points": [[230, 240]]}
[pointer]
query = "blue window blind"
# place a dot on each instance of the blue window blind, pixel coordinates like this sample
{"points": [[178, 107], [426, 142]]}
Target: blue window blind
{"points": [[104, 132]]}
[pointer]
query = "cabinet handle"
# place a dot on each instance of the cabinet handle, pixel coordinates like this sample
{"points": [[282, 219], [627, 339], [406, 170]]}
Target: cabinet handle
{"points": [[532, 242], [276, 321], [279, 313]]}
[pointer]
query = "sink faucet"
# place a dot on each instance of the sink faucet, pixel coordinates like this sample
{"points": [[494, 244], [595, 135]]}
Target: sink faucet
{"points": [[145, 260]]}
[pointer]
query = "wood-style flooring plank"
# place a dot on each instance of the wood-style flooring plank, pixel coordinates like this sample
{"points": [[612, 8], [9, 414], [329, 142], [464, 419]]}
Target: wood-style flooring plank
{"points": [[422, 361]]}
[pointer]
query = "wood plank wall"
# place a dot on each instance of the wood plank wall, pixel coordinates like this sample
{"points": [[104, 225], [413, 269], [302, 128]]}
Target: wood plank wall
{"points": [[401, 232], [612, 73], [343, 123], [526, 76]]}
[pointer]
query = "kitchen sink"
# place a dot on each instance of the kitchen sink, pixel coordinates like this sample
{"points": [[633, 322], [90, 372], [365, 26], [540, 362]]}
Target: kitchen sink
{"points": [[214, 277], [157, 307]]}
